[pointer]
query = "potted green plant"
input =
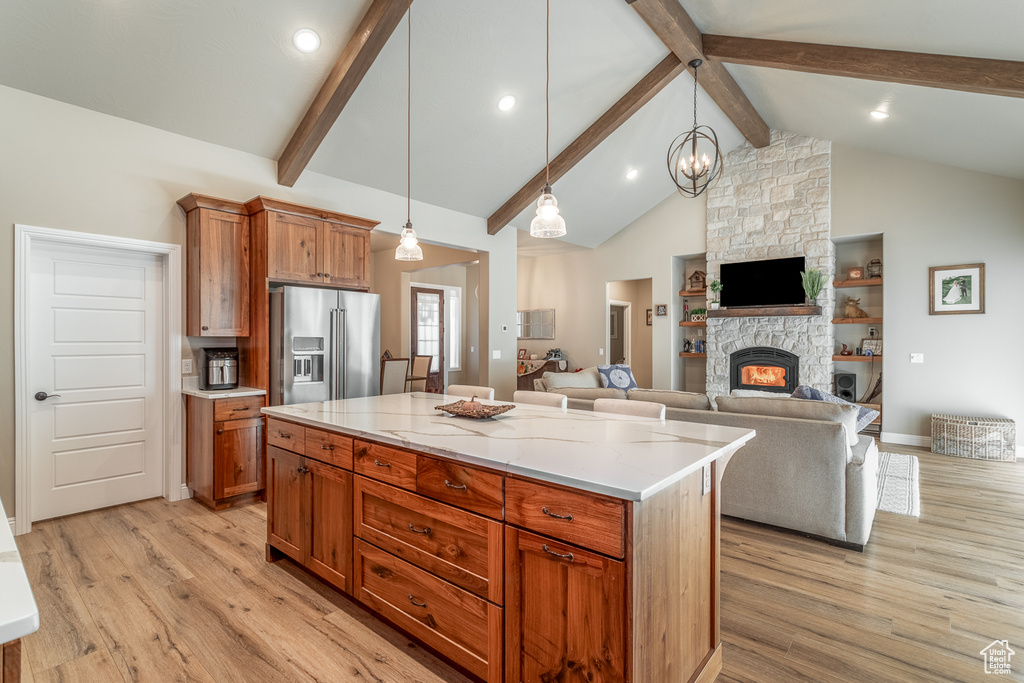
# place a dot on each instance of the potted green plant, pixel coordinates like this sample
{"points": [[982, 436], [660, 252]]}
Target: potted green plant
{"points": [[699, 315], [814, 282], [715, 286]]}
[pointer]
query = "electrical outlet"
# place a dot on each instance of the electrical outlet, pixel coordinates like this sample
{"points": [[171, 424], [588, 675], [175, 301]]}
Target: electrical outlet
{"points": [[472, 349], [872, 331], [917, 358], [705, 487], [496, 354], [186, 366], [600, 352], [504, 328]]}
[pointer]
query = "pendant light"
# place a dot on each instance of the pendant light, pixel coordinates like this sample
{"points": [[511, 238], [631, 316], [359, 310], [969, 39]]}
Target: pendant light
{"points": [[409, 248], [547, 222], [692, 170]]}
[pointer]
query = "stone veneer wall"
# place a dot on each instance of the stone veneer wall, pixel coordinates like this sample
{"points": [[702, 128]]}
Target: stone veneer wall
{"points": [[774, 202]]}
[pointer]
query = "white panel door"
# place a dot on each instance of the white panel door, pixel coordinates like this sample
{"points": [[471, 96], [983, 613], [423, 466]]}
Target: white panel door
{"points": [[96, 350]]}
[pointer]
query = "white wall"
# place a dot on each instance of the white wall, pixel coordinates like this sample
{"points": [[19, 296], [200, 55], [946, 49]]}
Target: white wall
{"points": [[70, 168], [934, 215], [575, 285]]}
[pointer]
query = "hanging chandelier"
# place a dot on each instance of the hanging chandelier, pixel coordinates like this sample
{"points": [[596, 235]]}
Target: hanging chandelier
{"points": [[408, 246], [547, 222], [694, 158]]}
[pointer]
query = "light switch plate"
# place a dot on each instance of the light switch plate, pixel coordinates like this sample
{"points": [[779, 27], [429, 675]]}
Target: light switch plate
{"points": [[496, 354], [917, 358], [705, 487], [186, 366], [600, 352]]}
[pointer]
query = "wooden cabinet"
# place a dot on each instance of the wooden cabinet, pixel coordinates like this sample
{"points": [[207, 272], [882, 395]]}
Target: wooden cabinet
{"points": [[224, 450], [309, 504], [217, 267], [565, 612]]}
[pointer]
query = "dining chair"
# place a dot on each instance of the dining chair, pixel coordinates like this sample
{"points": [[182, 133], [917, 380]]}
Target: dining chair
{"points": [[393, 372], [622, 406], [420, 371], [541, 398], [469, 391]]}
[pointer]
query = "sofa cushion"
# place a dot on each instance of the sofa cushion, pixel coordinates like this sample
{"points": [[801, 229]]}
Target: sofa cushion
{"points": [[589, 393], [671, 399], [794, 407], [587, 377], [865, 416], [617, 376]]}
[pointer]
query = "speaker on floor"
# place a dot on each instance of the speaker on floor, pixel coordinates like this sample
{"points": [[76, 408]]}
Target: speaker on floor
{"points": [[846, 386]]}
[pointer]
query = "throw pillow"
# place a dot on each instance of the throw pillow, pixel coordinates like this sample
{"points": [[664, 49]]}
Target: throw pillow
{"points": [[617, 377], [585, 378], [865, 417]]}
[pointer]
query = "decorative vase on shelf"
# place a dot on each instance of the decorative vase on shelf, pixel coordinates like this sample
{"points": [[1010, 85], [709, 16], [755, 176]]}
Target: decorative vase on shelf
{"points": [[715, 305], [812, 302]]}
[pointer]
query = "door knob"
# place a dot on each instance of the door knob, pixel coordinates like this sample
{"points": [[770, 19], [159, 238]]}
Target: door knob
{"points": [[42, 395]]}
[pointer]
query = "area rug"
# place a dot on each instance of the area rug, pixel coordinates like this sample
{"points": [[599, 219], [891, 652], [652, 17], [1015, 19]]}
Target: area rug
{"points": [[898, 487]]}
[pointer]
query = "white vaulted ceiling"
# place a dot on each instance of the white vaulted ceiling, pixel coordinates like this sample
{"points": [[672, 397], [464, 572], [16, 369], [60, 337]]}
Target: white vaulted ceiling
{"points": [[225, 71]]}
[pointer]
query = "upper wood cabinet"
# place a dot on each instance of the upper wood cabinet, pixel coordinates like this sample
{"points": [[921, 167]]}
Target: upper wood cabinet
{"points": [[217, 267], [307, 245]]}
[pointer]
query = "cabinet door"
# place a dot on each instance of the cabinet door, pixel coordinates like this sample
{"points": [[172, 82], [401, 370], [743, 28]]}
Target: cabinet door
{"points": [[564, 612], [237, 457], [330, 516], [218, 274], [346, 256], [287, 486], [292, 247]]}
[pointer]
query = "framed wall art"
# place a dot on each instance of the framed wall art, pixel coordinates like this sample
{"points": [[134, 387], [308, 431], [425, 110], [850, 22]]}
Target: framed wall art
{"points": [[955, 290], [661, 309], [649, 317]]}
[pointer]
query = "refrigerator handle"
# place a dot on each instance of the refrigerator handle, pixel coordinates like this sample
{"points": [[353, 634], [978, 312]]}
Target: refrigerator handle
{"points": [[332, 357], [343, 351]]}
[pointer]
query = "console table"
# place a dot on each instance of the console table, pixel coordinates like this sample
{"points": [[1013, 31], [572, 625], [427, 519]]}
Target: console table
{"points": [[524, 382], [541, 545]]}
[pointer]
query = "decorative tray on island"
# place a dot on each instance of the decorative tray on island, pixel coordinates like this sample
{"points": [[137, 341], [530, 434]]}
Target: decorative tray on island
{"points": [[482, 413]]}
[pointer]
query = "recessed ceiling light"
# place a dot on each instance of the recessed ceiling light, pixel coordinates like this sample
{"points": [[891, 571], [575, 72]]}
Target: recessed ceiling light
{"points": [[631, 174], [306, 40], [506, 102], [879, 114]]}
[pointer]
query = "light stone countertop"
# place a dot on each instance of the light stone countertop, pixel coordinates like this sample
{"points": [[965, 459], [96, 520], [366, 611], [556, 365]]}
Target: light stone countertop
{"points": [[19, 615], [631, 458], [223, 393]]}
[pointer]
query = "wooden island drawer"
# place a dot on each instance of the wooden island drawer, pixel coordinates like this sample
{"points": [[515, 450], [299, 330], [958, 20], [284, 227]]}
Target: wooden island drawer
{"points": [[458, 546], [457, 623], [291, 437], [333, 449], [584, 519], [239, 408], [387, 464], [467, 487]]}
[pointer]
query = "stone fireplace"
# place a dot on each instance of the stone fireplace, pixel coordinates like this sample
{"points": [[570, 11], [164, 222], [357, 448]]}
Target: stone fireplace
{"points": [[773, 202], [764, 369]]}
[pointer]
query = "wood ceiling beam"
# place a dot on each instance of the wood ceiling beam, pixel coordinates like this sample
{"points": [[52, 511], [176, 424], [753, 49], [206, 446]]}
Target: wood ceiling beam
{"points": [[363, 47], [969, 74], [630, 103], [673, 26]]}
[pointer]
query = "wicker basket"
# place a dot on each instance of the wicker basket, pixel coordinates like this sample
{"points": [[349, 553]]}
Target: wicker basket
{"points": [[984, 438]]}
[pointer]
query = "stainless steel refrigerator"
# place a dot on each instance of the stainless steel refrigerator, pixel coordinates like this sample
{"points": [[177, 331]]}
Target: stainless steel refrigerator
{"points": [[324, 345]]}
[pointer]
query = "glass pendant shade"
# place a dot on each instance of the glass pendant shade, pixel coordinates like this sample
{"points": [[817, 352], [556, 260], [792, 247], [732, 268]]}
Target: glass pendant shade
{"points": [[408, 248], [547, 222]]}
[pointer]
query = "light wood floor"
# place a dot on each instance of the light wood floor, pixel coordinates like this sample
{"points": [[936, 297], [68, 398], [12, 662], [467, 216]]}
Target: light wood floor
{"points": [[167, 592]]}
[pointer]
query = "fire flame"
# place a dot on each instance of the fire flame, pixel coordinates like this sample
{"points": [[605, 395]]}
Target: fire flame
{"points": [[765, 376]]}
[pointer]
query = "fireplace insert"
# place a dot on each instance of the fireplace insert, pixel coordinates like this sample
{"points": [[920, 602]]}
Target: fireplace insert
{"points": [[765, 369]]}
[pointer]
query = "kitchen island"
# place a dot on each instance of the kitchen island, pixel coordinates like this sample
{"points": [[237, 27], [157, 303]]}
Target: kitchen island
{"points": [[19, 615], [539, 545]]}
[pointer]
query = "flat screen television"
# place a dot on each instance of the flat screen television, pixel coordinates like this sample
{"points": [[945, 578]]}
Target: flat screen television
{"points": [[772, 282]]}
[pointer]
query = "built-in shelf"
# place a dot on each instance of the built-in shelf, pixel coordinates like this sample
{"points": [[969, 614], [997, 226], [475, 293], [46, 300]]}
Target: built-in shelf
{"points": [[690, 354], [856, 359], [863, 282], [764, 311], [693, 292], [852, 321], [691, 323]]}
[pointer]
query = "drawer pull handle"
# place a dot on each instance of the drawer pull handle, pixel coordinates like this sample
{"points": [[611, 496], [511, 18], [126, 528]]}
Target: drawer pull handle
{"points": [[418, 604], [378, 463], [282, 435], [567, 556], [303, 470], [549, 513], [239, 410], [326, 447], [425, 530], [454, 486]]}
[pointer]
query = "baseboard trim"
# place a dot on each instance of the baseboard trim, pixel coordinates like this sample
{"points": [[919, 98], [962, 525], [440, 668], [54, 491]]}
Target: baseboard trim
{"points": [[186, 492], [907, 439], [10, 520]]}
